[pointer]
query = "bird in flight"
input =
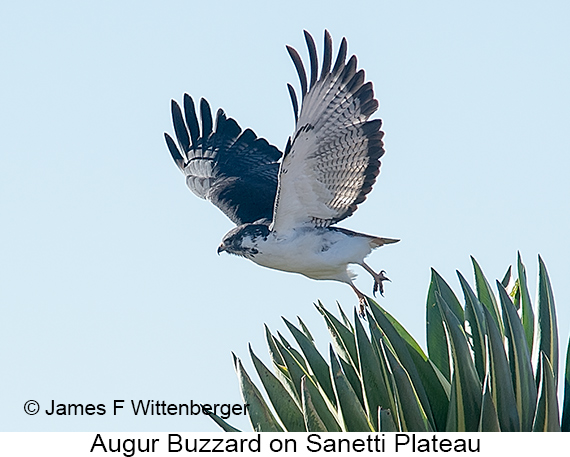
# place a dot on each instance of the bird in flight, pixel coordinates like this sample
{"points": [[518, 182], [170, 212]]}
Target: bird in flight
{"points": [[285, 205]]}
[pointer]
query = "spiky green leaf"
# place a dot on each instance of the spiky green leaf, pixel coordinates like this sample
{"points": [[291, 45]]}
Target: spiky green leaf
{"points": [[547, 327], [273, 351], [412, 416], [353, 378], [400, 347], [566, 405], [519, 360], [315, 361], [489, 422], [526, 306], [260, 416], [283, 403], [305, 329], [507, 278], [374, 387], [546, 418], [485, 294], [313, 422], [475, 317], [399, 328], [345, 318], [353, 416], [465, 399], [515, 294], [436, 387], [437, 343], [296, 372], [323, 407], [376, 335], [343, 339], [294, 352], [223, 424], [281, 371], [386, 421], [294, 369], [502, 389]]}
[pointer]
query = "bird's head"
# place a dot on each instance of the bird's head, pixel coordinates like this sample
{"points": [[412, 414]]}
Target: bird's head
{"points": [[244, 240]]}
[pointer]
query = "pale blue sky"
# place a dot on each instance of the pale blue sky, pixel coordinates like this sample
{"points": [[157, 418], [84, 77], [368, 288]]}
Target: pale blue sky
{"points": [[110, 283]]}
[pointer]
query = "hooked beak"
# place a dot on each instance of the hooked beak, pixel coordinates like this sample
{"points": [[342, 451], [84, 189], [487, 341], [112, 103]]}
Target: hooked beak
{"points": [[221, 248]]}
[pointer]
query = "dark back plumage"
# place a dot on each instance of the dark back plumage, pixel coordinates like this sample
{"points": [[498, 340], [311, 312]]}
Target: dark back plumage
{"points": [[235, 170]]}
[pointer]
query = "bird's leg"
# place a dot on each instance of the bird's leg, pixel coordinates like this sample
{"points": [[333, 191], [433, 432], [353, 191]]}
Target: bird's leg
{"points": [[361, 299], [378, 278]]}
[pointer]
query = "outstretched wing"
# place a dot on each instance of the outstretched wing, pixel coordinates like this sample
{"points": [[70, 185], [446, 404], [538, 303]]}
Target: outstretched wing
{"points": [[235, 170], [334, 157]]}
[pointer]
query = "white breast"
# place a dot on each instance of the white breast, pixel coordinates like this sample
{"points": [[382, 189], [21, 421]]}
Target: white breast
{"points": [[316, 253]]}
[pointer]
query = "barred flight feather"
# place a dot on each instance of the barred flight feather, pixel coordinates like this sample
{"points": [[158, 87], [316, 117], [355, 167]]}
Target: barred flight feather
{"points": [[334, 157]]}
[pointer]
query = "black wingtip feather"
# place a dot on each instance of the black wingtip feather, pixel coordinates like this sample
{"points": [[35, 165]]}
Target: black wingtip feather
{"points": [[327, 55], [340, 57], [312, 57], [376, 151], [180, 127], [350, 69], [220, 127], [206, 115], [220, 121], [294, 101], [191, 119], [356, 82], [174, 152], [369, 107], [365, 92], [371, 127], [300, 69], [287, 147]]}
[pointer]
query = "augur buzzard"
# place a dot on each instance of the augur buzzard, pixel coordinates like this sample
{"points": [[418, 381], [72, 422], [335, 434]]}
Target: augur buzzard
{"points": [[286, 205]]}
